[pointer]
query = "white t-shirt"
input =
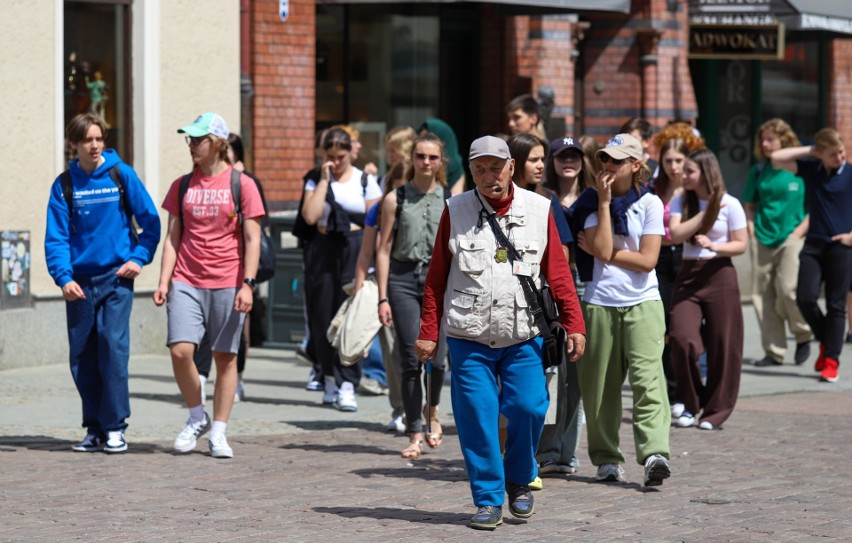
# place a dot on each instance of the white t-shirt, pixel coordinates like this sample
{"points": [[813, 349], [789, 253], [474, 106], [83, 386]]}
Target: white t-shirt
{"points": [[350, 195], [731, 217], [614, 286]]}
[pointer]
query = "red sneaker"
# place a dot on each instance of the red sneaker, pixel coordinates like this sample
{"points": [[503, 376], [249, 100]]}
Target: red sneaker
{"points": [[820, 361], [829, 370]]}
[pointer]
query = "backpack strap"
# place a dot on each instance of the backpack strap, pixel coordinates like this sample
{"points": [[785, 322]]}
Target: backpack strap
{"points": [[400, 200], [236, 193], [115, 175], [184, 186], [364, 179], [68, 194]]}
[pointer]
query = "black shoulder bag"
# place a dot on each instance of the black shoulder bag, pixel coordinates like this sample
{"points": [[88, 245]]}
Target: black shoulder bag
{"points": [[541, 304]]}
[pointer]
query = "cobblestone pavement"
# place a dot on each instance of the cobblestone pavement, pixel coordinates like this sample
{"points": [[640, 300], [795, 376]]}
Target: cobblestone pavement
{"points": [[776, 472]]}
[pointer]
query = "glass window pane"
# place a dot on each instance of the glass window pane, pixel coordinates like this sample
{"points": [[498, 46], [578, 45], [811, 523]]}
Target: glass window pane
{"points": [[96, 67], [791, 88]]}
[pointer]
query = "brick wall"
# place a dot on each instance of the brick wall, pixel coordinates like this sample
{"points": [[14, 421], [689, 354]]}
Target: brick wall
{"points": [[839, 113], [283, 77], [635, 65]]}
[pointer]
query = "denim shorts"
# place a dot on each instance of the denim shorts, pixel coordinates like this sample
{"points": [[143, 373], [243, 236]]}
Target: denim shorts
{"points": [[192, 311]]}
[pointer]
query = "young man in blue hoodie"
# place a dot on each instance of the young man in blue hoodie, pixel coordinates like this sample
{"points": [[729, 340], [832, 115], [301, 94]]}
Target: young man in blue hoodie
{"points": [[93, 253]]}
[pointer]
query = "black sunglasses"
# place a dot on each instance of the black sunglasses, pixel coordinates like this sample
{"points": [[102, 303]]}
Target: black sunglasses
{"points": [[617, 161]]}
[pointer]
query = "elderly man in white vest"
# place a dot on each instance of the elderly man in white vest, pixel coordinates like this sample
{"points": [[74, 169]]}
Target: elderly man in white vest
{"points": [[474, 291]]}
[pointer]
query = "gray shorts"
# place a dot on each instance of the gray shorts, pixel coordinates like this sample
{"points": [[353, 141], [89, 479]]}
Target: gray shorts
{"points": [[193, 310]]}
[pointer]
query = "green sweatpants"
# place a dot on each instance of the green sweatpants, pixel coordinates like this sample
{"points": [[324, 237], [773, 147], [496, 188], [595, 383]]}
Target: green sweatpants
{"points": [[624, 342]]}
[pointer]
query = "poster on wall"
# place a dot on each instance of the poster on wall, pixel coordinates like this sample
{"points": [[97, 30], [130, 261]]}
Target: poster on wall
{"points": [[14, 269]]}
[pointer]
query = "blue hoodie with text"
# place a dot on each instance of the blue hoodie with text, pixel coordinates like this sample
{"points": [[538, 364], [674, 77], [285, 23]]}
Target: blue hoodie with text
{"points": [[103, 238]]}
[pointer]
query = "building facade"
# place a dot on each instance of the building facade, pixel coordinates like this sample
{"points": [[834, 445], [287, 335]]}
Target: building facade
{"points": [[161, 63]]}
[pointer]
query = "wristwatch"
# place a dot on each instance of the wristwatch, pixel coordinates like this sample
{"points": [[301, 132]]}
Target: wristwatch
{"points": [[250, 282]]}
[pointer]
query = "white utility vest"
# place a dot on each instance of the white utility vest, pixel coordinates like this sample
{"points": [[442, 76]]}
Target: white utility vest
{"points": [[484, 301]]}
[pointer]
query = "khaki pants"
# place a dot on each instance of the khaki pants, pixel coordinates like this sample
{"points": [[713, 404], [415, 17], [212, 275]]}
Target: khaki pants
{"points": [[776, 272]]}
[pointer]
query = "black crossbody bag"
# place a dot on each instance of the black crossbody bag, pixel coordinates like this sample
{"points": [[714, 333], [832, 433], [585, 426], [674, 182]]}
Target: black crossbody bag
{"points": [[541, 303]]}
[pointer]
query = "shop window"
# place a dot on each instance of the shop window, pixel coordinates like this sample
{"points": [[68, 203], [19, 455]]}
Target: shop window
{"points": [[97, 66], [791, 88], [377, 70]]}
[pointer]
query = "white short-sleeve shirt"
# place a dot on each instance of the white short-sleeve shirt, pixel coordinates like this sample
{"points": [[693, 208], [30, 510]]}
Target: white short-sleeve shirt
{"points": [[350, 195], [731, 218], [614, 286]]}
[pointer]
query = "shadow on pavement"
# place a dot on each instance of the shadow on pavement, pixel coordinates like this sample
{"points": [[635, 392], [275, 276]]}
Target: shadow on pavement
{"points": [[347, 424], [347, 448], [265, 382], [51, 444], [776, 372], [410, 515], [451, 471]]}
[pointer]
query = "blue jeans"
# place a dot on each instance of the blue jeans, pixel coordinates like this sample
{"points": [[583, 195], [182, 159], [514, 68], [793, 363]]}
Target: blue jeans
{"points": [[477, 403], [99, 349]]}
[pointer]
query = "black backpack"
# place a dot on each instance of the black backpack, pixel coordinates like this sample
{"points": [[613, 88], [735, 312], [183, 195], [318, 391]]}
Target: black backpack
{"points": [[68, 193], [266, 264]]}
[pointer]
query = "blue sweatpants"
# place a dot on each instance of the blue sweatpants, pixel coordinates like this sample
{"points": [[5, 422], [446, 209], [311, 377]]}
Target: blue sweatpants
{"points": [[477, 403]]}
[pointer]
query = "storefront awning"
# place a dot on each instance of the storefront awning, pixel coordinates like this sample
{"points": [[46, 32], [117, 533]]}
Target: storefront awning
{"points": [[830, 15], [620, 6], [796, 15]]}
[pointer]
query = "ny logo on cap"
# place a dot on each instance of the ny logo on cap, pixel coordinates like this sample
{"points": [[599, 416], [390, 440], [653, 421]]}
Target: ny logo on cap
{"points": [[567, 141], [614, 141]]}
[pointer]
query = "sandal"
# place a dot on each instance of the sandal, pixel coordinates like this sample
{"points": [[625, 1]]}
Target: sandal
{"points": [[435, 437], [414, 450]]}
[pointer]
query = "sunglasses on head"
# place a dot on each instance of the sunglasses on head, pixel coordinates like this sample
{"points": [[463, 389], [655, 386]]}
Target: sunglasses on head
{"points": [[617, 161]]}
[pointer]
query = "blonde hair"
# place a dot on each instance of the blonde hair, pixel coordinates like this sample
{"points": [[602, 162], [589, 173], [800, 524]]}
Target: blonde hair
{"points": [[401, 139], [428, 137], [780, 128], [827, 139]]}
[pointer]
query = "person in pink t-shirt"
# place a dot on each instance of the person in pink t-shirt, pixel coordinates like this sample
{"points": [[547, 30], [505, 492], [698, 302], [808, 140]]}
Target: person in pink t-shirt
{"points": [[208, 269]]}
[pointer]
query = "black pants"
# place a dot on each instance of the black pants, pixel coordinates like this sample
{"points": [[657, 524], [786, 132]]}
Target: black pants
{"points": [[829, 262], [667, 267], [330, 264]]}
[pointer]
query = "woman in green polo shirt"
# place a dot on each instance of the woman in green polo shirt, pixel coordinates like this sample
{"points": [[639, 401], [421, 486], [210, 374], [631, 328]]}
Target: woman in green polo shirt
{"points": [[778, 221]]}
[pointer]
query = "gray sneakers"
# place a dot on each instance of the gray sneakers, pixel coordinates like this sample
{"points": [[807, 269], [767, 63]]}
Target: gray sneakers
{"points": [[656, 470]]}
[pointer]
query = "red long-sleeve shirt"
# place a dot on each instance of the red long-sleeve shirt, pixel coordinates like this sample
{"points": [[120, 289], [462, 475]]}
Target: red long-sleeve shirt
{"points": [[554, 268]]}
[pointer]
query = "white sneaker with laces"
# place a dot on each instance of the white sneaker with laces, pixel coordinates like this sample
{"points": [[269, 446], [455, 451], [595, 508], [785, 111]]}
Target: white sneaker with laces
{"points": [[686, 420], [346, 398], [396, 424], [610, 472], [115, 443], [677, 410], [219, 447], [187, 439]]}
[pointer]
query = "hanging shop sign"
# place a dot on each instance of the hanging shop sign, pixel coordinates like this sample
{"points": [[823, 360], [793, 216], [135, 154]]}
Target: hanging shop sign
{"points": [[736, 41]]}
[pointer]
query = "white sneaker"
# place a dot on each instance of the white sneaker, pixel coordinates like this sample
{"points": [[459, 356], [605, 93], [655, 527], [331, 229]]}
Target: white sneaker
{"points": [[396, 424], [610, 472], [187, 439], [346, 398], [677, 410], [219, 447], [686, 420], [705, 425], [330, 395], [90, 443], [115, 442], [240, 394]]}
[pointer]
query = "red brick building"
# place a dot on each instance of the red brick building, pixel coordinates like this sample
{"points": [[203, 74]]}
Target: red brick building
{"points": [[381, 64]]}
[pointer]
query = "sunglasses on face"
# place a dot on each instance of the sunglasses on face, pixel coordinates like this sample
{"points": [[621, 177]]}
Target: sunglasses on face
{"points": [[195, 141], [617, 161], [430, 158], [569, 157]]}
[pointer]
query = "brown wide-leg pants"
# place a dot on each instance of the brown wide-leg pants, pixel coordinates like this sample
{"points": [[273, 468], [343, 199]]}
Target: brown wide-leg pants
{"points": [[707, 290]]}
